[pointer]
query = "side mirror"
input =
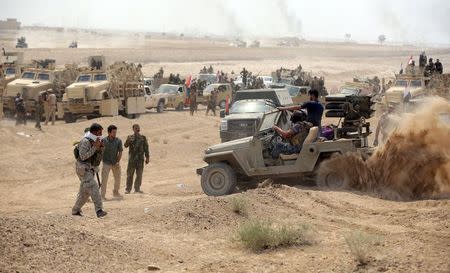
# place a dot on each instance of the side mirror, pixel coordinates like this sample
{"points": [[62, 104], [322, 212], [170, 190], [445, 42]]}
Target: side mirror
{"points": [[222, 113]]}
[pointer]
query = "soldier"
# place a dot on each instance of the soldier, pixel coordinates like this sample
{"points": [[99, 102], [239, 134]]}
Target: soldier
{"points": [[88, 153], [387, 123], [422, 59], [50, 112], [171, 78], [161, 73], [39, 107], [193, 99], [210, 69], [111, 160], [212, 102], [138, 147], [430, 68], [439, 68], [296, 135], [21, 115], [244, 74]]}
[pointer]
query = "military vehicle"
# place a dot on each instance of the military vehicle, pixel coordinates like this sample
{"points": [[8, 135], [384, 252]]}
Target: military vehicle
{"points": [[100, 91], [412, 86], [41, 78], [255, 44], [168, 96], [21, 43], [73, 44], [299, 94], [248, 160], [225, 92], [208, 78], [9, 70], [248, 108]]}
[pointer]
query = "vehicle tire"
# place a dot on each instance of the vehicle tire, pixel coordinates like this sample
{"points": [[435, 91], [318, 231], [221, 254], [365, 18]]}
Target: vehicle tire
{"points": [[222, 104], [330, 180], [69, 118], [160, 107], [218, 179], [180, 107]]}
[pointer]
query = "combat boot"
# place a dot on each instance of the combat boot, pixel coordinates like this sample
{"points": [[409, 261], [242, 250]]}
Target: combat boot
{"points": [[101, 213]]}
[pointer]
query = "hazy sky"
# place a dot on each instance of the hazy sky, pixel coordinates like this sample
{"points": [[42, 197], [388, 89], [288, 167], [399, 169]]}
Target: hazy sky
{"points": [[400, 20]]}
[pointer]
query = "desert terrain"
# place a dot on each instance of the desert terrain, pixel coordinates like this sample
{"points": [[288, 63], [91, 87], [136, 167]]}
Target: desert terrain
{"points": [[173, 225]]}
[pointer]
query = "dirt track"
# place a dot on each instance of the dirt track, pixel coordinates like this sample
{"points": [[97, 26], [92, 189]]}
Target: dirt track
{"points": [[174, 225]]}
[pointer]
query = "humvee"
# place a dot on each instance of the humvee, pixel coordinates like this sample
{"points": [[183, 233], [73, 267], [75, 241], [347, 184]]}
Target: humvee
{"points": [[246, 160], [167, 96]]}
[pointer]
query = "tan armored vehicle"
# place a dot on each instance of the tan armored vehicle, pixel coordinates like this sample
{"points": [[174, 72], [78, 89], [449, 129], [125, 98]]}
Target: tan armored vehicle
{"points": [[9, 70], [35, 81], [247, 160], [412, 86], [105, 92], [168, 96]]}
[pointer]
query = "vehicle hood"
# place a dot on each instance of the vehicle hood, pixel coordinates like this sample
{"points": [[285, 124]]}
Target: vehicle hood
{"points": [[230, 145], [244, 116], [29, 83], [160, 95]]}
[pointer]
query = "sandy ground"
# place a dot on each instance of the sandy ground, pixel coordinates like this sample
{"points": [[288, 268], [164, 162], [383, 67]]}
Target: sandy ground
{"points": [[174, 226]]}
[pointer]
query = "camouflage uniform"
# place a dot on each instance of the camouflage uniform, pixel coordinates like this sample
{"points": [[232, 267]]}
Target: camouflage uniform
{"points": [[39, 107], [212, 102], [138, 147], [86, 166], [193, 100]]}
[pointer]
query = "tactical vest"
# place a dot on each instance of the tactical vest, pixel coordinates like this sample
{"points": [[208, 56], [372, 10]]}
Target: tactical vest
{"points": [[298, 139]]}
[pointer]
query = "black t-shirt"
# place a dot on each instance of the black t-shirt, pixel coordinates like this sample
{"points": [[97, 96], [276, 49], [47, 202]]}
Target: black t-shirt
{"points": [[315, 111]]}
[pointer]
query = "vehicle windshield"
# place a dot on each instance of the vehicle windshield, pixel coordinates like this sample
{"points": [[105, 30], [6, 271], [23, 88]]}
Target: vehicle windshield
{"points": [[28, 75], [210, 88], [293, 91], [10, 71], [100, 77], [268, 121], [250, 107], [43, 76], [349, 91], [84, 78], [416, 83], [168, 89], [401, 83]]}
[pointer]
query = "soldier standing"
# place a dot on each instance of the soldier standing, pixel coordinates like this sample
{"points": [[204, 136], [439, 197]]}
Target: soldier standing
{"points": [[193, 99], [439, 68], [39, 107], [51, 109], [21, 115], [89, 155], [138, 147], [111, 160], [244, 74], [212, 102], [210, 69]]}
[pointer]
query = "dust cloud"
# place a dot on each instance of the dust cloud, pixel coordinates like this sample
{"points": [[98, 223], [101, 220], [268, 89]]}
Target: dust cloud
{"points": [[414, 163]]}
